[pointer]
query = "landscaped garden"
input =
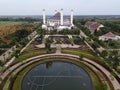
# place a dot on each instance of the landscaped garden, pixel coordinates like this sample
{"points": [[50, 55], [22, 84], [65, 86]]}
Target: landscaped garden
{"points": [[59, 46], [59, 39]]}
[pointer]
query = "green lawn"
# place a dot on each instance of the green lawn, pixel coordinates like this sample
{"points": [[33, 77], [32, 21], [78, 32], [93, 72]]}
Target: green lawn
{"points": [[5, 23], [113, 45], [84, 52], [30, 51]]}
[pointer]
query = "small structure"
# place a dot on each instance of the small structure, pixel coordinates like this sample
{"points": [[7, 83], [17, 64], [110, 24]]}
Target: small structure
{"points": [[58, 21], [109, 36], [92, 26]]}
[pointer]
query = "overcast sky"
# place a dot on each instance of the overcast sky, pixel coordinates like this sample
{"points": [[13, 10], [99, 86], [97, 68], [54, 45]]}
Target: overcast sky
{"points": [[80, 7]]}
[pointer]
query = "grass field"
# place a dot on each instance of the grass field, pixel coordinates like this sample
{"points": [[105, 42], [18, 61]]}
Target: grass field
{"points": [[85, 52], [5, 23], [31, 51], [8, 27]]}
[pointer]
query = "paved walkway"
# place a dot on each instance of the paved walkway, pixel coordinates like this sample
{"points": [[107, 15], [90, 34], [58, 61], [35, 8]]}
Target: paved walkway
{"points": [[5, 55], [83, 34], [89, 46], [58, 49], [115, 83]]}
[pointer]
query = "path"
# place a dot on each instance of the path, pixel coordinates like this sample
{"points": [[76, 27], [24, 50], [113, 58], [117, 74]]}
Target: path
{"points": [[58, 49], [5, 55], [89, 46], [82, 34]]}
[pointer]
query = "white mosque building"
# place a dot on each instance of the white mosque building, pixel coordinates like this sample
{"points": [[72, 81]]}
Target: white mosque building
{"points": [[58, 21]]}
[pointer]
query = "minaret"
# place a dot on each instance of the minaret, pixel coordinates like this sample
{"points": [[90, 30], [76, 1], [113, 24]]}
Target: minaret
{"points": [[61, 17], [71, 18], [44, 19]]}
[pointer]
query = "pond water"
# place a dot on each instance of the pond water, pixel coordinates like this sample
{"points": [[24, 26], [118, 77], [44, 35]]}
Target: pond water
{"points": [[57, 75]]}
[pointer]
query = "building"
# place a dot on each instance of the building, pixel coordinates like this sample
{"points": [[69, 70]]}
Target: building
{"points": [[58, 21], [92, 26], [109, 36]]}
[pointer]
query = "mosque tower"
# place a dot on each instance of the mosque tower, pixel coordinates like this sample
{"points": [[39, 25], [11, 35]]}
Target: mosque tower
{"points": [[44, 26], [71, 18]]}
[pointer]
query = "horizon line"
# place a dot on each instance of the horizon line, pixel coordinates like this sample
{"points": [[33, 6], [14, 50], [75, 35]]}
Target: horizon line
{"points": [[64, 14]]}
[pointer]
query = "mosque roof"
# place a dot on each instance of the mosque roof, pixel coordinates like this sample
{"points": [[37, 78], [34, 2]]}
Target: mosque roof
{"points": [[57, 16]]}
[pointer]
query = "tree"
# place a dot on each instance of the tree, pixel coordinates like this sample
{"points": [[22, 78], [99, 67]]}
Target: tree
{"points": [[103, 86], [116, 61], [53, 32], [48, 45], [11, 78], [104, 53], [98, 33], [73, 31], [24, 42], [85, 30], [81, 56], [41, 32], [91, 36], [1, 63], [21, 33], [95, 45]]}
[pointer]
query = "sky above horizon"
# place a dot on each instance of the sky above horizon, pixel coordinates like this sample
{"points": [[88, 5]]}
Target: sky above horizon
{"points": [[80, 7]]}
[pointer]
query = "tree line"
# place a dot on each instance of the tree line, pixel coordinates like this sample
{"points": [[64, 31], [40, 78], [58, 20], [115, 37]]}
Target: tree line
{"points": [[28, 19]]}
